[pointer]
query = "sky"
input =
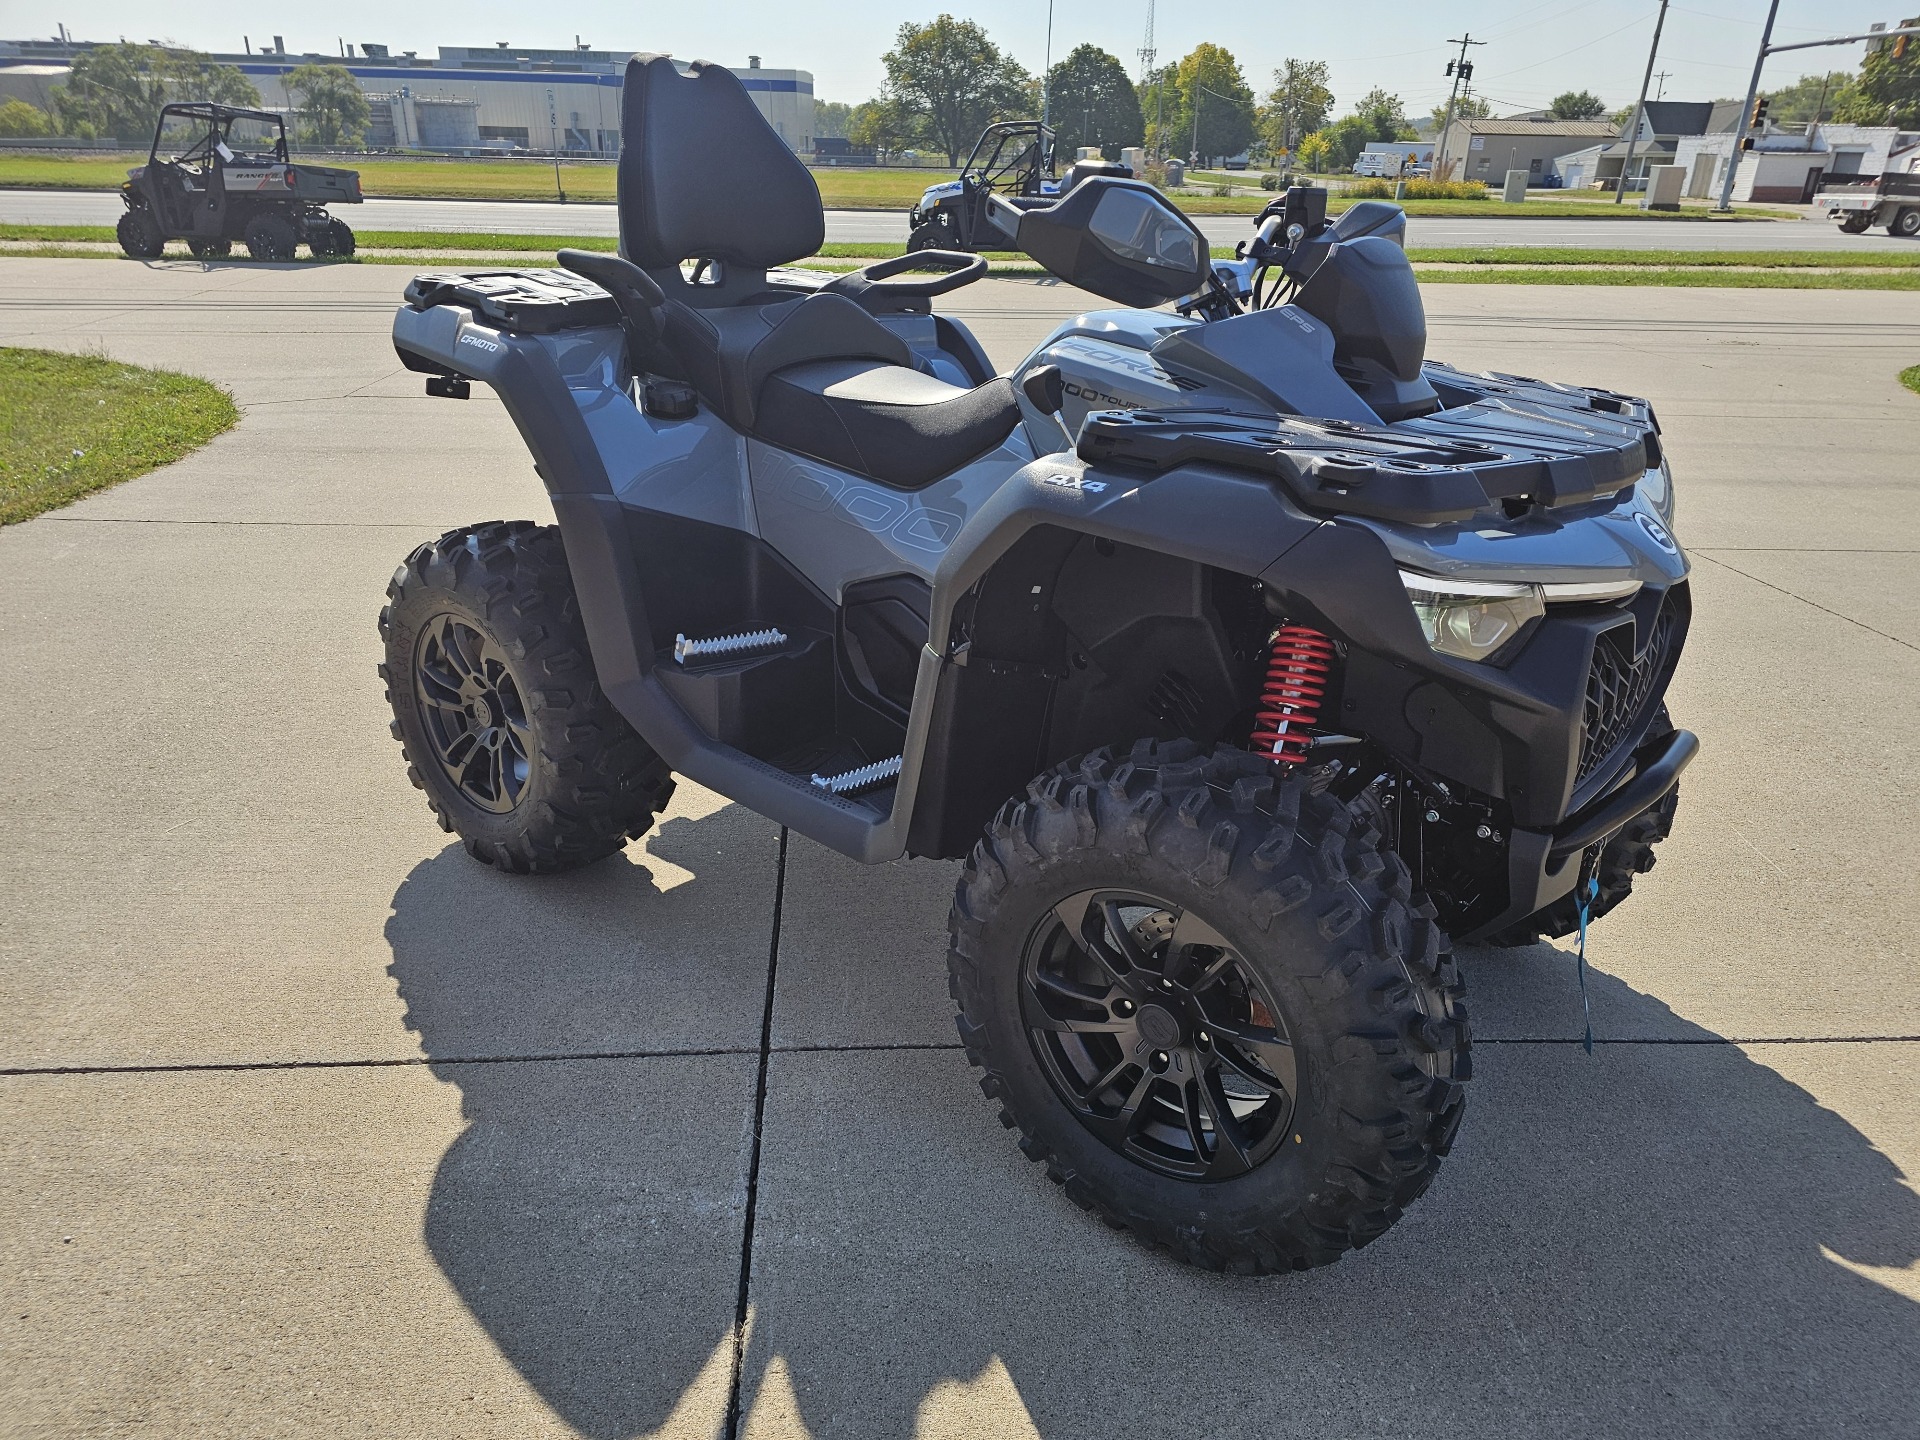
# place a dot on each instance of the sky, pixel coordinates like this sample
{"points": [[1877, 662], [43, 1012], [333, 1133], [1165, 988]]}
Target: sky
{"points": [[1534, 50]]}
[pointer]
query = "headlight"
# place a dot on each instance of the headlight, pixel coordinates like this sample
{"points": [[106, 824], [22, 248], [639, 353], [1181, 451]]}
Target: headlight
{"points": [[1471, 619]]}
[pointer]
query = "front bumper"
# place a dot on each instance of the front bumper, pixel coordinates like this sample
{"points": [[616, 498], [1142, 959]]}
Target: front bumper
{"points": [[1544, 865]]}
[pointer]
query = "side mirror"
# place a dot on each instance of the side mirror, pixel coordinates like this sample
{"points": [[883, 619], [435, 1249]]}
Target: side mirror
{"points": [[1121, 239]]}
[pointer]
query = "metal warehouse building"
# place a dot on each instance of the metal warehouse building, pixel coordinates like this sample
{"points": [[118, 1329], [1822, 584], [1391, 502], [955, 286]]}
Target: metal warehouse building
{"points": [[466, 97]]}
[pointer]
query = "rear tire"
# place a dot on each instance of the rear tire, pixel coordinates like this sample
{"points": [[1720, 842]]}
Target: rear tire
{"points": [[139, 235], [1329, 975], [1906, 224], [1857, 222], [339, 238], [269, 237], [497, 710]]}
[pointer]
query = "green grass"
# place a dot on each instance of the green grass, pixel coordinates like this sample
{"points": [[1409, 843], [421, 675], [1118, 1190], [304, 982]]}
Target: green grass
{"points": [[73, 424], [1910, 377], [1668, 259], [1696, 279]]}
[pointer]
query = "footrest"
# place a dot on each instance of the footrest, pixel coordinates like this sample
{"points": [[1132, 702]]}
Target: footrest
{"points": [[864, 778]]}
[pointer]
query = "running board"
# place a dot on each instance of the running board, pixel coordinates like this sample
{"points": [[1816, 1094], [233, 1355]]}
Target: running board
{"points": [[863, 778]]}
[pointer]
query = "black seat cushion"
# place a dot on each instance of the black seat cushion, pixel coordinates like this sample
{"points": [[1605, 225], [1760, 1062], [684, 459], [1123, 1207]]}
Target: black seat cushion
{"points": [[726, 354], [893, 424], [692, 146]]}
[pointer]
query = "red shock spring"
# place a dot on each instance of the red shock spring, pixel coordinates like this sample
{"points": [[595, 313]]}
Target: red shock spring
{"points": [[1299, 660]]}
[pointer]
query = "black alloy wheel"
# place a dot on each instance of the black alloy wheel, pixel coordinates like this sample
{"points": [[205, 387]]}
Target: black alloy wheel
{"points": [[473, 713], [1159, 1037]]}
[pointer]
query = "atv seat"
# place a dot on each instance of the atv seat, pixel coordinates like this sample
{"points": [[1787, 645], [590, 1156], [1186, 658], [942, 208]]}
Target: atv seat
{"points": [[736, 341], [899, 426]]}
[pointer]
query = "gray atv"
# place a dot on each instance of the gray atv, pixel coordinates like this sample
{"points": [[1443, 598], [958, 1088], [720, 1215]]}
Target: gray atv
{"points": [[1244, 658]]}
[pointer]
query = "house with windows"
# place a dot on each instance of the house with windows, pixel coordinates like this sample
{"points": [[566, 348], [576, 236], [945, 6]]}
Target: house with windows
{"points": [[1487, 149], [1663, 125], [1787, 165]]}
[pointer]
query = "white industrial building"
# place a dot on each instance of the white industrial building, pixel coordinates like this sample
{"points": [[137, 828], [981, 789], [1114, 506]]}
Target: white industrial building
{"points": [[464, 98]]}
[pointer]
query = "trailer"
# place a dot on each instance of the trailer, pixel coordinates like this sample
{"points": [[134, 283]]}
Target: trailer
{"points": [[1859, 202]]}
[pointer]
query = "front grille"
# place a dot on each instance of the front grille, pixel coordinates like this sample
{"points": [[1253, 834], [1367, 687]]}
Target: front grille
{"points": [[1619, 691]]}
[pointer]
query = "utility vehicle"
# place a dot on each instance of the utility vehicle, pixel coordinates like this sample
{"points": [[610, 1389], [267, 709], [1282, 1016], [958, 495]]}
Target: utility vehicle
{"points": [[216, 174], [1013, 160], [1859, 202], [1243, 657]]}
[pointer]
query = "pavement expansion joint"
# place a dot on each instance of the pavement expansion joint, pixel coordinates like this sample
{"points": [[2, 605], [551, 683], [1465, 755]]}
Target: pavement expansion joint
{"points": [[219, 1067], [742, 1295], [1782, 590]]}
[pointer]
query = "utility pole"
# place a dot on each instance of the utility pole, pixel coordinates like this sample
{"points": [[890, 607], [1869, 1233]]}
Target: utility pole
{"points": [[1662, 76], [1640, 106], [1746, 109], [1046, 72], [1461, 70]]}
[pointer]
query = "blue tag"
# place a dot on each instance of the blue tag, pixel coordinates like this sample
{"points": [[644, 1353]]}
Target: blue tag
{"points": [[1586, 899]]}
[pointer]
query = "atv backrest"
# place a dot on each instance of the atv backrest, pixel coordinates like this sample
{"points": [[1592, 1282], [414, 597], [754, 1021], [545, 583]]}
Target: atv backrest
{"points": [[703, 176]]}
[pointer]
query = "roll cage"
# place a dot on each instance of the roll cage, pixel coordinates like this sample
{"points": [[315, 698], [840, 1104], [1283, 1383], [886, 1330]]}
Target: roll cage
{"points": [[1010, 157], [219, 120]]}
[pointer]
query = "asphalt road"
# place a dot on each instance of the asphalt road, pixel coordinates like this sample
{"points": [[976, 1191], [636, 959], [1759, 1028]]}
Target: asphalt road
{"points": [[80, 207], [310, 1126]]}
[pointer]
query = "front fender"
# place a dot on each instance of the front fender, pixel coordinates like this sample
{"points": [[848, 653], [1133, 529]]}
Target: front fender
{"points": [[1228, 519]]}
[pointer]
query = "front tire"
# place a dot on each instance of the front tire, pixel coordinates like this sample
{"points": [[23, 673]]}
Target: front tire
{"points": [[1211, 1005], [1906, 224], [497, 710], [139, 235], [935, 234]]}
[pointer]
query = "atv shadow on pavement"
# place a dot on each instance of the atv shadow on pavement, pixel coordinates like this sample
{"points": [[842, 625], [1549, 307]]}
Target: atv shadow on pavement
{"points": [[1654, 1240]]}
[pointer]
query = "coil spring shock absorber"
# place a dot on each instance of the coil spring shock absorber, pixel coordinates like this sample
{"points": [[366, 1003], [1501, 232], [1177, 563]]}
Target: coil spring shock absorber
{"points": [[1299, 662]]}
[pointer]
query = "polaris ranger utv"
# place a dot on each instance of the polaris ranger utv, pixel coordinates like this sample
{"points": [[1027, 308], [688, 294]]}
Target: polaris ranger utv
{"points": [[216, 174], [1013, 159], [1243, 657]]}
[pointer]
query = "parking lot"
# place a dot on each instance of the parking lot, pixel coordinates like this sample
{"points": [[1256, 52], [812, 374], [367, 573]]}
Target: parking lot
{"points": [[309, 1125]]}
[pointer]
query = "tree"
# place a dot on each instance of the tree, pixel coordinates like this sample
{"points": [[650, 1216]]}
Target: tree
{"points": [[117, 90], [1298, 104], [1465, 107], [1315, 153], [880, 125], [1795, 104], [830, 119], [1578, 105], [954, 80], [1216, 107], [333, 111], [1888, 90], [1383, 115], [1092, 102], [20, 121]]}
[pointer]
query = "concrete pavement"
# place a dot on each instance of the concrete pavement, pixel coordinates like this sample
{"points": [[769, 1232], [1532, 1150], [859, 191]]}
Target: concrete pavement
{"points": [[889, 227], [309, 1125]]}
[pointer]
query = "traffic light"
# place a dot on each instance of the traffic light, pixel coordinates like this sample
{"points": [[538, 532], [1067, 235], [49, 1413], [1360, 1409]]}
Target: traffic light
{"points": [[1900, 44], [1759, 116]]}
